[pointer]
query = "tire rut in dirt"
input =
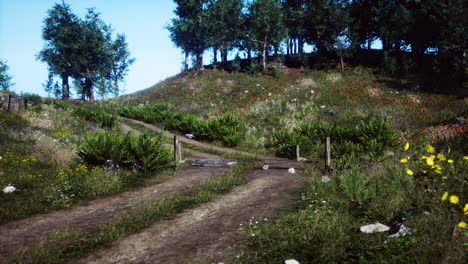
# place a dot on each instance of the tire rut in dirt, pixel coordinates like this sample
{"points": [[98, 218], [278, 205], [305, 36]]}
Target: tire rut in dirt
{"points": [[208, 230], [89, 215]]}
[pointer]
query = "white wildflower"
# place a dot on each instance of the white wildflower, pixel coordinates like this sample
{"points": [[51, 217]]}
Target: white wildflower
{"points": [[291, 170], [9, 189], [265, 167], [291, 261], [246, 91], [232, 163], [322, 106], [190, 136], [269, 94], [325, 179]]}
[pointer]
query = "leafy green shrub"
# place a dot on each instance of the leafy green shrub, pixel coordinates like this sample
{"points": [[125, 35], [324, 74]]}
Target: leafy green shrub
{"points": [[376, 135], [144, 152], [104, 119], [228, 128], [373, 137], [147, 152]]}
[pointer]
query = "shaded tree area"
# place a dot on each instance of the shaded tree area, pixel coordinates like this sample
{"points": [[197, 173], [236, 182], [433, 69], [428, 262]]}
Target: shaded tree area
{"points": [[85, 50], [423, 38]]}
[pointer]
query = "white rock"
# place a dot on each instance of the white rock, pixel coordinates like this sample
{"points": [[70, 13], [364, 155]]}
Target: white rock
{"points": [[190, 136], [181, 161], [322, 106], [292, 170], [265, 167], [291, 261], [325, 179], [9, 189], [374, 228], [232, 163]]}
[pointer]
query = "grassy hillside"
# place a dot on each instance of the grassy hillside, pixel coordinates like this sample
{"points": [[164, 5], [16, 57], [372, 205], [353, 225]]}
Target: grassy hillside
{"points": [[376, 179]]}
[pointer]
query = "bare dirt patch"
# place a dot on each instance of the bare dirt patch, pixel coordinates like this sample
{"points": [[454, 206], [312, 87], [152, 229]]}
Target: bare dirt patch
{"points": [[89, 215], [208, 230]]}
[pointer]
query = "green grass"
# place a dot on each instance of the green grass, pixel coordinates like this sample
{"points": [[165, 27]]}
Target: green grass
{"points": [[73, 243]]}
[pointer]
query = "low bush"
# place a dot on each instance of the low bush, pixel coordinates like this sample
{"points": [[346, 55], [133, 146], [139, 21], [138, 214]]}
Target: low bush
{"points": [[104, 119], [143, 152], [227, 128], [373, 137]]}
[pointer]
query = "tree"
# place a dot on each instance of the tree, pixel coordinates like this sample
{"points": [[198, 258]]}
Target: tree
{"points": [[266, 26], [120, 61], [188, 30], [5, 78], [224, 25], [294, 19], [96, 52], [60, 31], [327, 19]]}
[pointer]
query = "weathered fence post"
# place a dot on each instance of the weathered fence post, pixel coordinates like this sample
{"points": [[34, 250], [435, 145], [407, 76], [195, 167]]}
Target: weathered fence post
{"points": [[176, 148], [298, 155], [180, 151], [327, 154]]}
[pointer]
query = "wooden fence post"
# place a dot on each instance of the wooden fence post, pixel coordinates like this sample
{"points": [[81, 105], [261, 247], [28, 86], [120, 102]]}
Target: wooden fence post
{"points": [[327, 154], [176, 148], [180, 151], [298, 155]]}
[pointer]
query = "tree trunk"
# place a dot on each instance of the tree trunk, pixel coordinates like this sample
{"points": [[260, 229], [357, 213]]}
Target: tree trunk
{"points": [[264, 69], [224, 55], [369, 44], [116, 86], [215, 55], [249, 54], [288, 41], [301, 45], [89, 89], [200, 61], [342, 63], [65, 88]]}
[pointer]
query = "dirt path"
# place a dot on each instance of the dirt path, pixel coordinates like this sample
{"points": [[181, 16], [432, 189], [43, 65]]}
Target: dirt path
{"points": [[88, 215], [208, 230]]}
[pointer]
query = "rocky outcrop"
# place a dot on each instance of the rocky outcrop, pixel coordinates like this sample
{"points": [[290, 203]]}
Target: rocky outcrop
{"points": [[12, 103]]}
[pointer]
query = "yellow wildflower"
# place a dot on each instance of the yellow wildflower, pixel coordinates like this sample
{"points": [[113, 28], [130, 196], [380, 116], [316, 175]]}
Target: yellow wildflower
{"points": [[436, 167], [410, 172], [424, 171], [444, 196], [441, 157], [404, 160], [448, 150], [407, 146], [462, 224], [465, 209], [423, 157], [465, 157], [438, 171], [450, 161], [444, 177], [453, 199], [430, 149], [430, 160]]}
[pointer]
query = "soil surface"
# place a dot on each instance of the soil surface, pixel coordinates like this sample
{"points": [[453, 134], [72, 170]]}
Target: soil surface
{"points": [[209, 230], [88, 215], [205, 231]]}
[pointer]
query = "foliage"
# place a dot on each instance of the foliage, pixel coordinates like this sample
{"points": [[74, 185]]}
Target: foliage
{"points": [[227, 128], [104, 119], [138, 152], [5, 78]]}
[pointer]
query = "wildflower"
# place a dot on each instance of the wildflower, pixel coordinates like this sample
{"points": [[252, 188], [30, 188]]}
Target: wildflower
{"points": [[410, 172], [322, 106], [430, 160], [269, 94], [450, 161], [441, 157], [453, 199], [444, 196], [9, 189], [407, 146], [404, 160], [424, 171], [465, 209], [437, 167], [430, 149], [462, 224], [444, 177], [438, 171], [465, 157]]}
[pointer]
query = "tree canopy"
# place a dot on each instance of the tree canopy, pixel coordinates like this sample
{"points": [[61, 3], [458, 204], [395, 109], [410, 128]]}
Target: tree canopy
{"points": [[5, 78], [84, 50]]}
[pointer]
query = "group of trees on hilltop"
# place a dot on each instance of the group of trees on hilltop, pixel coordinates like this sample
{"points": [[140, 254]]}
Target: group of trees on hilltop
{"points": [[408, 29], [85, 50]]}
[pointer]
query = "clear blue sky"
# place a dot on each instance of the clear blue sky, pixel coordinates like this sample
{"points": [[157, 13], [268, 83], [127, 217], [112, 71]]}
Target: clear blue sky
{"points": [[142, 21]]}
